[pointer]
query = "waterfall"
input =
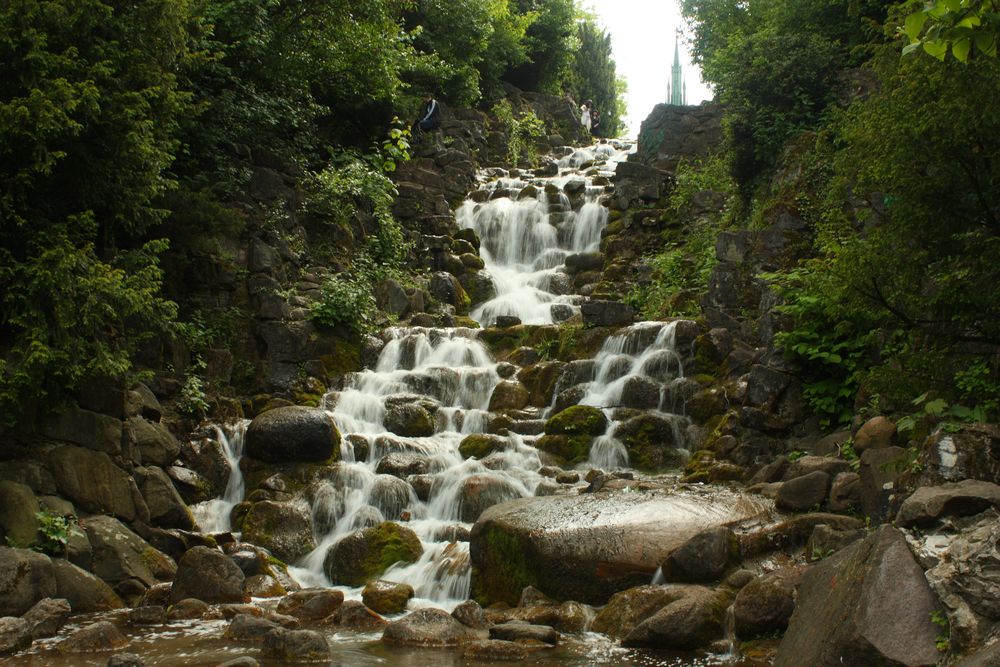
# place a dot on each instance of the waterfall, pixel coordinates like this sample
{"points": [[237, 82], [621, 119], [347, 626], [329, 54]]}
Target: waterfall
{"points": [[212, 516]]}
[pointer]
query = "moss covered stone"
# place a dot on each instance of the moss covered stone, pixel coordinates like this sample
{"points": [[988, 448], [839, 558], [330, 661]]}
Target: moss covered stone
{"points": [[540, 381], [578, 420], [364, 555], [649, 440], [568, 449], [506, 570], [481, 445]]}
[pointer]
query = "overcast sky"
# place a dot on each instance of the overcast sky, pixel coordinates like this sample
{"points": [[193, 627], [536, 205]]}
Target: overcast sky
{"points": [[642, 37]]}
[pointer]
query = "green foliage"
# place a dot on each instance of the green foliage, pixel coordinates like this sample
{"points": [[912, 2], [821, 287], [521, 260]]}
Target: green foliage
{"points": [[345, 302], [191, 399], [593, 76], [54, 530], [548, 43], [966, 27], [522, 129], [943, 640], [951, 417]]}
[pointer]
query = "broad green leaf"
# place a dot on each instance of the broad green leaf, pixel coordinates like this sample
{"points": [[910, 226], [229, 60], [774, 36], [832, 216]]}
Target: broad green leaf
{"points": [[936, 407], [987, 44], [951, 5], [914, 24], [961, 48], [938, 49], [970, 21], [910, 48]]}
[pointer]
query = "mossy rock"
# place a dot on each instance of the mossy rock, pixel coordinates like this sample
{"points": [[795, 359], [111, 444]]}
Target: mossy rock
{"points": [[649, 440], [364, 555], [467, 322], [507, 570], [578, 420], [540, 381], [283, 528], [569, 449], [409, 420], [481, 445]]}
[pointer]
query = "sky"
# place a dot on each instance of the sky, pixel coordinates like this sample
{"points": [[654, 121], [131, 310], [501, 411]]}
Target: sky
{"points": [[642, 39]]}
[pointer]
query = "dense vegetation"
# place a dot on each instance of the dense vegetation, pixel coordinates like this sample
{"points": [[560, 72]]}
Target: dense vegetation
{"points": [[127, 128], [903, 196]]}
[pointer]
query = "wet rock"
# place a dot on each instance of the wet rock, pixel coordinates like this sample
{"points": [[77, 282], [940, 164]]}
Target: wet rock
{"points": [[153, 614], [311, 604], [158, 594], [409, 420], [577, 420], [25, 579], [386, 597], [187, 609], [94, 483], [687, 623], [471, 614], [123, 559], [508, 395], [649, 440], [292, 434], [94, 638], [15, 635], [482, 491], [166, 508], [880, 468], [505, 321], [47, 617], [208, 575], [640, 393], [810, 464], [283, 528], [765, 604], [704, 557], [826, 541], [514, 631], [491, 650], [156, 444], [481, 445], [263, 586], [845, 492], [429, 627], [607, 313], [540, 381], [295, 646], [566, 449], [793, 533], [876, 433], [353, 615], [803, 493], [401, 464], [249, 629], [867, 604], [590, 546], [627, 609], [85, 592], [18, 510], [928, 504], [772, 472], [366, 554], [125, 660]]}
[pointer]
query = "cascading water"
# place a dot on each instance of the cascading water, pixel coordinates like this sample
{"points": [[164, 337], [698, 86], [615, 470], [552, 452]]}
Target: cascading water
{"points": [[212, 516], [529, 227]]}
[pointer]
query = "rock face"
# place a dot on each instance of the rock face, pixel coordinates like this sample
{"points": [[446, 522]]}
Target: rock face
{"points": [[84, 591], [607, 313], [627, 609], [18, 507], [429, 627], [865, 605], [47, 617], [292, 434], [25, 578], [671, 132], [285, 529], [704, 557], [95, 484], [691, 621], [930, 503], [764, 605], [166, 508], [588, 547], [15, 635], [366, 554], [123, 559], [207, 575]]}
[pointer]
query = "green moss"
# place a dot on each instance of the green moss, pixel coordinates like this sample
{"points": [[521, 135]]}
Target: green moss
{"points": [[506, 571], [577, 420], [388, 544], [346, 355], [569, 449], [467, 322], [479, 445]]}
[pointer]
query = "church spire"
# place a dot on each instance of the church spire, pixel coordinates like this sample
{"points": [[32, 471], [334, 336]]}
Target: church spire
{"points": [[677, 87]]}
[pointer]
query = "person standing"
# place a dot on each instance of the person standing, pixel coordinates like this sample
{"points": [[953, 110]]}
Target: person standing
{"points": [[585, 115], [430, 115], [595, 122]]}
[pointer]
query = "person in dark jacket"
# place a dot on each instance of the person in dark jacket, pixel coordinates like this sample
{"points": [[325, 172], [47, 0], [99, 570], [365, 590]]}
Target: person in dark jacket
{"points": [[430, 116]]}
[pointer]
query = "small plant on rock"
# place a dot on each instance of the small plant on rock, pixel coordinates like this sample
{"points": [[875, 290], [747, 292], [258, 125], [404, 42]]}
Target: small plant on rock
{"points": [[54, 530]]}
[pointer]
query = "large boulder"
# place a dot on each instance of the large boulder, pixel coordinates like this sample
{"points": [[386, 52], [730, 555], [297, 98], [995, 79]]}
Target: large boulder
{"points": [[540, 381], [311, 604], [803, 493], [627, 609], [971, 453], [283, 528], [508, 395], [607, 313], [292, 434], [25, 578], [690, 622], [123, 559], [364, 555], [481, 445], [95, 484], [764, 605], [88, 429], [84, 592], [928, 504], [15, 635], [567, 449], [94, 638], [157, 446], [875, 433], [649, 440], [386, 597], [867, 604], [429, 627], [166, 508], [207, 575], [588, 547], [18, 509], [47, 617], [704, 557]]}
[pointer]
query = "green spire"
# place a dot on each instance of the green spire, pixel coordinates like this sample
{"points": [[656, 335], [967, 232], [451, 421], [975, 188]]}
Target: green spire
{"points": [[677, 88]]}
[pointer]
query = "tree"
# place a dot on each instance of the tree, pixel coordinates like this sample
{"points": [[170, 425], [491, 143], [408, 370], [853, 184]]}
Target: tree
{"points": [[966, 27], [593, 76]]}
